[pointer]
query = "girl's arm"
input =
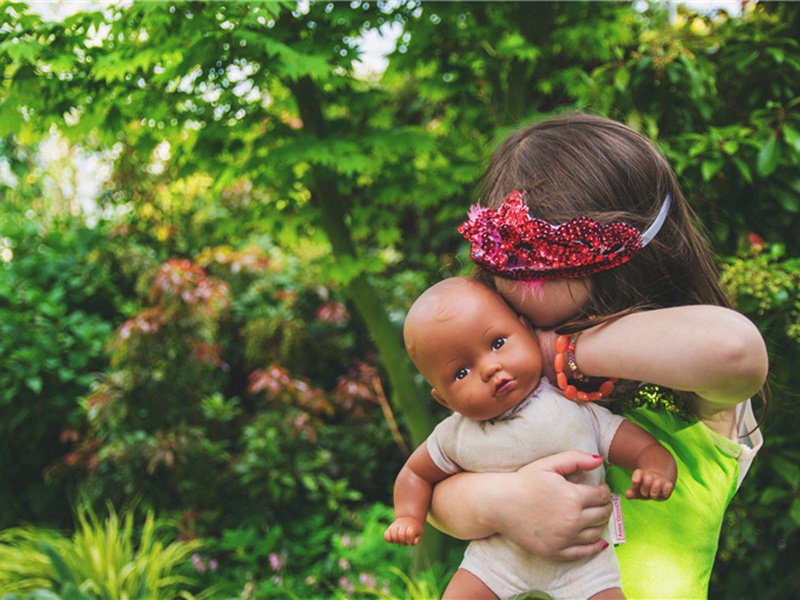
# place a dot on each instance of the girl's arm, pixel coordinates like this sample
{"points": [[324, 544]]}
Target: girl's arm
{"points": [[714, 352], [536, 507]]}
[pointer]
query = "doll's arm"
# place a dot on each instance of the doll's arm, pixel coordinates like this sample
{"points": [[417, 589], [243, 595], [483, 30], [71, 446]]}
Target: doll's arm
{"points": [[535, 507], [412, 497], [654, 468]]}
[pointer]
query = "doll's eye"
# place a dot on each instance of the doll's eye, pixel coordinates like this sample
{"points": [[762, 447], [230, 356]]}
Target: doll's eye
{"points": [[498, 343], [461, 373]]}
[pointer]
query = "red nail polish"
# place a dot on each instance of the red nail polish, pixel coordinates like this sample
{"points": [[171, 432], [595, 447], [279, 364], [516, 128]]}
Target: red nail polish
{"points": [[596, 456], [605, 544]]}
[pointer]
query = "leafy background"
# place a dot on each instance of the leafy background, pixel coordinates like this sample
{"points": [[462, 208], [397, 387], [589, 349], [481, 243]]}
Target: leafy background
{"points": [[215, 338]]}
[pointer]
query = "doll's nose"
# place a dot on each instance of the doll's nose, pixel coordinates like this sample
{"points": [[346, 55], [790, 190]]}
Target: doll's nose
{"points": [[490, 369]]}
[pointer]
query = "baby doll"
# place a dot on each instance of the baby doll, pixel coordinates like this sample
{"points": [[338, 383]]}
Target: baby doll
{"points": [[483, 362]]}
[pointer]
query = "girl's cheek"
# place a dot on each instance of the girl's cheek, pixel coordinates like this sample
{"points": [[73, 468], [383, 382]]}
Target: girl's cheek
{"points": [[526, 298], [514, 292], [546, 304]]}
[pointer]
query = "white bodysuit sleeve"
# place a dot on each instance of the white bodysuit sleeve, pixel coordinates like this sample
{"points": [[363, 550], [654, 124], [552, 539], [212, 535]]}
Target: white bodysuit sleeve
{"points": [[440, 445], [606, 424]]}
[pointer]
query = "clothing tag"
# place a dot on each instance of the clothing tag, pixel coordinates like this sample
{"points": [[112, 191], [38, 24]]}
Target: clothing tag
{"points": [[616, 525]]}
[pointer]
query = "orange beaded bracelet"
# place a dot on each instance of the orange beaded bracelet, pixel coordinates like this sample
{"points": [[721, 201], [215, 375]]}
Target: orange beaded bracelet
{"points": [[565, 356]]}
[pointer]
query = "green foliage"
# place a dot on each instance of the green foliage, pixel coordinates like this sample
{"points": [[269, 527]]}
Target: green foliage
{"points": [[370, 567], [245, 141], [161, 418], [144, 415], [171, 420], [766, 285], [732, 135], [312, 558], [197, 413], [765, 515], [107, 558], [57, 301]]}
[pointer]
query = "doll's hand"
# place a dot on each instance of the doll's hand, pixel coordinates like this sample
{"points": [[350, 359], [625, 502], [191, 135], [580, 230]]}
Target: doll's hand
{"points": [[650, 485], [405, 531]]}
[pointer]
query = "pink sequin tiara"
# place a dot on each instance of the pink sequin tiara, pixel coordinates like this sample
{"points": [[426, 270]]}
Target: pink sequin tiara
{"points": [[509, 243]]}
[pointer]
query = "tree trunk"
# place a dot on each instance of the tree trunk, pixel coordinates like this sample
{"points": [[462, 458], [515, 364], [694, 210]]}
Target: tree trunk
{"points": [[406, 396]]}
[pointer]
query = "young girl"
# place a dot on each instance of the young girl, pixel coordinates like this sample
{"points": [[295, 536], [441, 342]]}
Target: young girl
{"points": [[650, 312], [483, 362]]}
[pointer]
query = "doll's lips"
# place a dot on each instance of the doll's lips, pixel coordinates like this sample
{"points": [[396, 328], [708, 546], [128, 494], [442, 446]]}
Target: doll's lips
{"points": [[503, 385]]}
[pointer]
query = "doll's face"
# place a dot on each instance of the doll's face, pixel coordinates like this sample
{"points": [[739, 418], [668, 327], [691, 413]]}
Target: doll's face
{"points": [[480, 357], [549, 304]]}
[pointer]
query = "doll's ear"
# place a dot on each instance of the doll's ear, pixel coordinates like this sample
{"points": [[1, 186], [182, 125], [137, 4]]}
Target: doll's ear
{"points": [[438, 398]]}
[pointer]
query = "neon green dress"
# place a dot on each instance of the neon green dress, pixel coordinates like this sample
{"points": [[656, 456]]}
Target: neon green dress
{"points": [[671, 545]]}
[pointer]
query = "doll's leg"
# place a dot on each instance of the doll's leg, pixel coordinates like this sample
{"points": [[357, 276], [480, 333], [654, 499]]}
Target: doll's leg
{"points": [[464, 585], [609, 594]]}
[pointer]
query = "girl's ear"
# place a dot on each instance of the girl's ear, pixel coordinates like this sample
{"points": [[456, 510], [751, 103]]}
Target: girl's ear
{"points": [[438, 398]]}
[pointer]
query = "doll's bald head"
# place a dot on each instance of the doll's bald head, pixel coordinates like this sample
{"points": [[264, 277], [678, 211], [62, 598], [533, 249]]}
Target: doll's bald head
{"points": [[467, 343], [442, 302]]}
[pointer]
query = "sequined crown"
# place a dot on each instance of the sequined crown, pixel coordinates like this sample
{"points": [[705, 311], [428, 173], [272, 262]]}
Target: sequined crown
{"points": [[511, 244]]}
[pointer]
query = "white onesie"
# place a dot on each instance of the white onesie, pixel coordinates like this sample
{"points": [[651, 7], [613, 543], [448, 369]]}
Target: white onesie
{"points": [[541, 425]]}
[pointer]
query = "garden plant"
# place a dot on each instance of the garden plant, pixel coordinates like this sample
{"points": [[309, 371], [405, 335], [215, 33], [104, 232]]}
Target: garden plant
{"points": [[202, 358]]}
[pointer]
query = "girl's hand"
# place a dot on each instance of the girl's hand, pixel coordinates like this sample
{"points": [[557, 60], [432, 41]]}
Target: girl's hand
{"points": [[551, 516], [535, 507]]}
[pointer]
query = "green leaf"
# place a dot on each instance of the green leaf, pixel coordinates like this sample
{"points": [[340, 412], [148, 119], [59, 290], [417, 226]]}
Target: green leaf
{"points": [[71, 592], [709, 168], [794, 511], [698, 147], [777, 54], [789, 202], [514, 44], [795, 184], [290, 63], [730, 147], [768, 157], [788, 471], [11, 120], [22, 51], [34, 384], [773, 494], [621, 79], [792, 137], [63, 574], [40, 594], [744, 169], [745, 60]]}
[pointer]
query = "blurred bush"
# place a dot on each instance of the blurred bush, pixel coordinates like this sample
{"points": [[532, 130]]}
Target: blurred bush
{"points": [[196, 346], [58, 304]]}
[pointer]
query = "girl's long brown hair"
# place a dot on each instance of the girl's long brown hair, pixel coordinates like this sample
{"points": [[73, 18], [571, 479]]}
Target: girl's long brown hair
{"points": [[579, 164], [584, 165]]}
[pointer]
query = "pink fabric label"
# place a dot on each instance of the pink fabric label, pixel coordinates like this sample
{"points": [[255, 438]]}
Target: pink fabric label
{"points": [[616, 524]]}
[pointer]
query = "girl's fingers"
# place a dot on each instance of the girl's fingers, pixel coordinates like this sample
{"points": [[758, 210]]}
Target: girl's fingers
{"points": [[582, 550], [596, 516], [591, 534]]}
